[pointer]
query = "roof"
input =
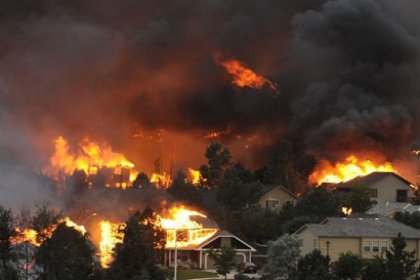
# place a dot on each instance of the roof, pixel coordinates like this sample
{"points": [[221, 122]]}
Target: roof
{"points": [[369, 180], [387, 208], [266, 189], [217, 234], [361, 227]]}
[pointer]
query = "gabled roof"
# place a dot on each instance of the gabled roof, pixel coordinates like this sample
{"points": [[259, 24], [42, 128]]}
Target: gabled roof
{"points": [[266, 189], [224, 233], [361, 227], [387, 208], [369, 180]]}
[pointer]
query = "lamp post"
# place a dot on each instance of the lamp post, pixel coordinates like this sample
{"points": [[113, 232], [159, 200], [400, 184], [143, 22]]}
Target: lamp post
{"points": [[176, 250], [328, 248]]}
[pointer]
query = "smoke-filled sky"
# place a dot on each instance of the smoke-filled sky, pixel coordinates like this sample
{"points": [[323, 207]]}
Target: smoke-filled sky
{"points": [[142, 76]]}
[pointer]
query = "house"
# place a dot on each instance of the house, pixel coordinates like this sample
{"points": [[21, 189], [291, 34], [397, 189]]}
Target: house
{"points": [[365, 237], [388, 209], [274, 197], [196, 255], [384, 187]]}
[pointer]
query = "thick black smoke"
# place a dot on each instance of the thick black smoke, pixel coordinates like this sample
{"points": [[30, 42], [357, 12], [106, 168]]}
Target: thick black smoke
{"points": [[141, 73]]}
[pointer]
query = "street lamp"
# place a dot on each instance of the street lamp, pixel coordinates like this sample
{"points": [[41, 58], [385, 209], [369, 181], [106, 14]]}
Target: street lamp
{"points": [[176, 249], [328, 248]]}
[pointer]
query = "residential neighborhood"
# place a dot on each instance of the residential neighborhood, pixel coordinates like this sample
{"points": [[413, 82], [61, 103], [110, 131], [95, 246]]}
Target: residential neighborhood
{"points": [[209, 139]]}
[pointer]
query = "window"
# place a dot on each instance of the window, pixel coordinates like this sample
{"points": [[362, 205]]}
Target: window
{"points": [[375, 246], [271, 203], [373, 192], [384, 246], [366, 246], [402, 196]]}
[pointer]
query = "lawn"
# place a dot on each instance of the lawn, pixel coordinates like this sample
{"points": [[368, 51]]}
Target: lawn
{"points": [[193, 274]]}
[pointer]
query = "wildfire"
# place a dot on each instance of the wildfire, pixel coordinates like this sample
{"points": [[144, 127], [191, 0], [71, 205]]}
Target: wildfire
{"points": [[111, 235], [90, 157], [352, 167], [161, 180], [194, 176], [31, 236], [180, 227], [243, 76]]}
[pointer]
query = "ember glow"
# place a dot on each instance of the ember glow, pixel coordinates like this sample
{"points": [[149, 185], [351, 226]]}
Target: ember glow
{"points": [[242, 76], [90, 157], [111, 235], [352, 167], [180, 226]]}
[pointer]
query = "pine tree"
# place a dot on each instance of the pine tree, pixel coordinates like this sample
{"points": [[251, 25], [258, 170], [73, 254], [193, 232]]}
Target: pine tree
{"points": [[7, 257], [137, 255]]}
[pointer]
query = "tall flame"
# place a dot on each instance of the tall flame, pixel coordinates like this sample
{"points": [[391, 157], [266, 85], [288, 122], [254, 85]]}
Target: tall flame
{"points": [[194, 176], [163, 180], [111, 235], [350, 168], [90, 157], [243, 76]]}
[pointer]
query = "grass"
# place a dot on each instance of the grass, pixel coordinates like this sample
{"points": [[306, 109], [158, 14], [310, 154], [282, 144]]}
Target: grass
{"points": [[193, 274]]}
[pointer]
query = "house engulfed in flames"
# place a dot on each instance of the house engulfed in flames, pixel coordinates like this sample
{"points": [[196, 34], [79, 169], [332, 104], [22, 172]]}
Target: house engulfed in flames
{"points": [[193, 235]]}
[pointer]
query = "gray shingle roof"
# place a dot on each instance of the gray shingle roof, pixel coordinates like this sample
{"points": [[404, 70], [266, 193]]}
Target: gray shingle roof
{"points": [[386, 208], [361, 227]]}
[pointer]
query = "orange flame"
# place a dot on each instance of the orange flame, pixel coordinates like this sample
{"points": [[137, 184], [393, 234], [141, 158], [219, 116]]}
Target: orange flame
{"points": [[352, 167], [194, 176], [32, 237], [89, 158], [111, 235], [178, 222], [161, 180], [243, 76]]}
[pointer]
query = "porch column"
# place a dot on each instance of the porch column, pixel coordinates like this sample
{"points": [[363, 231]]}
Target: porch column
{"points": [[200, 259]]}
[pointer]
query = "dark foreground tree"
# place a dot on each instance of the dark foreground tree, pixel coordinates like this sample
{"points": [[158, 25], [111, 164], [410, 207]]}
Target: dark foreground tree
{"points": [[314, 266], [224, 260], [67, 255], [218, 160], [358, 199], [348, 266], [137, 255], [7, 257], [400, 264]]}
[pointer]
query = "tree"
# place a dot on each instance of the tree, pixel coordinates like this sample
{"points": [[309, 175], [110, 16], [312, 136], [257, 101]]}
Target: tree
{"points": [[67, 255], [45, 216], [258, 224], [400, 264], [184, 191], [236, 194], [281, 169], [318, 202], [141, 181], [411, 219], [348, 266], [358, 199], [7, 256], [282, 255], [375, 269], [224, 259], [218, 160], [136, 256], [314, 266]]}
